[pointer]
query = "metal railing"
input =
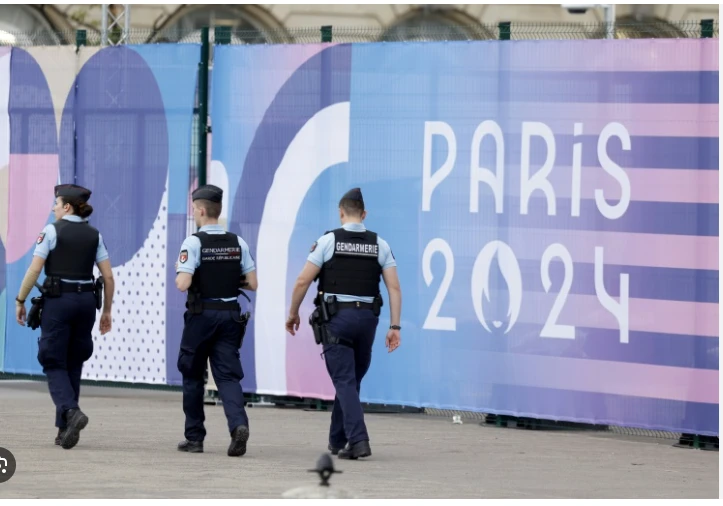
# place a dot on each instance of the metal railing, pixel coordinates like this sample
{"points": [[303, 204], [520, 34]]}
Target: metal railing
{"points": [[626, 29], [224, 35]]}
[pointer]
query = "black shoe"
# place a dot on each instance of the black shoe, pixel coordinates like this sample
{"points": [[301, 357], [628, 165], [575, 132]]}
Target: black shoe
{"points": [[76, 420], [355, 451], [239, 436], [190, 446], [333, 449], [59, 437]]}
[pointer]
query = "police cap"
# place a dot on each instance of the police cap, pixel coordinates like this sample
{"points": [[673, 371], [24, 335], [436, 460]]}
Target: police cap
{"points": [[208, 192], [72, 191], [354, 194]]}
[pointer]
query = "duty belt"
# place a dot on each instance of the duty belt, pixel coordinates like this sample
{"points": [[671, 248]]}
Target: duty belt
{"points": [[220, 305], [66, 287], [355, 305]]}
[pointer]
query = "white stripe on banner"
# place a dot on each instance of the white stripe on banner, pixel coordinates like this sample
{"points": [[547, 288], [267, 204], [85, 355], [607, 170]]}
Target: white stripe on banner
{"points": [[321, 143]]}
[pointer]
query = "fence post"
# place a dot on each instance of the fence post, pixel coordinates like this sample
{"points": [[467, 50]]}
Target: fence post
{"points": [[706, 28], [203, 106], [505, 28], [81, 37], [222, 35], [326, 33]]}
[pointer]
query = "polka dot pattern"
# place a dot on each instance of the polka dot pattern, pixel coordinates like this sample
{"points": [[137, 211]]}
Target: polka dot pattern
{"points": [[135, 349]]}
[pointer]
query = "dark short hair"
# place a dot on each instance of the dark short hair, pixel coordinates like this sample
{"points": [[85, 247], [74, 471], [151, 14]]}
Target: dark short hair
{"points": [[352, 207], [213, 209]]}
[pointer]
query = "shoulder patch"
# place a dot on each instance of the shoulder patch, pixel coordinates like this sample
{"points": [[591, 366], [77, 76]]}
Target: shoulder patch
{"points": [[41, 238], [183, 257], [313, 246]]}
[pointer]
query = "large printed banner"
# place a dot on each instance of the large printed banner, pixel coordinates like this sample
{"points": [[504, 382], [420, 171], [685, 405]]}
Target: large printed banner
{"points": [[117, 120], [552, 208]]}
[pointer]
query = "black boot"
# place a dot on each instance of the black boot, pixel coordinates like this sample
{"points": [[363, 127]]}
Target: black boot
{"points": [[59, 437], [190, 446], [76, 420], [239, 436], [353, 452], [333, 450]]}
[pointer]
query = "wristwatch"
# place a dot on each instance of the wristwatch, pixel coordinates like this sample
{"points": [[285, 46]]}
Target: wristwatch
{"points": [[395, 327], [19, 301]]}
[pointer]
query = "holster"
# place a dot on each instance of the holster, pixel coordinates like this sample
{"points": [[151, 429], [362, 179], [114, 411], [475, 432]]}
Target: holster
{"points": [[36, 309], [98, 292], [319, 321], [377, 305], [316, 326], [245, 317]]}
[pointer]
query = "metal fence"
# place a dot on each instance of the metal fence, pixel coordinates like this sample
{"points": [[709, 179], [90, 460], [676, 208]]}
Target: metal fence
{"points": [[626, 29], [224, 35]]}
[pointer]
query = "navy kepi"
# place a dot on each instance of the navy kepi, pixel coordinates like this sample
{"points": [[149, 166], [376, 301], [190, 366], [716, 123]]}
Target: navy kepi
{"points": [[354, 194], [208, 192], [72, 191]]}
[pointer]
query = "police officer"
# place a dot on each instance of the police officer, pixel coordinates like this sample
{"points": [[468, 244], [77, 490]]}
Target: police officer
{"points": [[68, 249], [213, 266], [349, 262]]}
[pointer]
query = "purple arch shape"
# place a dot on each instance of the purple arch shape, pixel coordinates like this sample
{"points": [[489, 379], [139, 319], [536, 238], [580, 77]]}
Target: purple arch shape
{"points": [[326, 75], [121, 147]]}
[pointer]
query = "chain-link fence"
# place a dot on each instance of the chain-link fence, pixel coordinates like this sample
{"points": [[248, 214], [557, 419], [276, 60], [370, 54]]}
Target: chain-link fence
{"points": [[309, 35], [649, 29]]}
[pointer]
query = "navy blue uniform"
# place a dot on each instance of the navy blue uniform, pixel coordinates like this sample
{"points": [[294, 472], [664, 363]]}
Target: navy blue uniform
{"points": [[355, 324], [67, 321], [213, 334]]}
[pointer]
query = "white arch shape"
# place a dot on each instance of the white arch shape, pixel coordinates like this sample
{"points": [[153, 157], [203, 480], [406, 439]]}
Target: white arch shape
{"points": [[321, 143]]}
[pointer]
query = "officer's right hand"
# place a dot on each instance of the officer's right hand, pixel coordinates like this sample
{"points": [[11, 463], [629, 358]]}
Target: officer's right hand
{"points": [[393, 340], [292, 324]]}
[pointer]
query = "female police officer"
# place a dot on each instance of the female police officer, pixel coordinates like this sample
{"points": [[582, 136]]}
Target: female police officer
{"points": [[68, 249]]}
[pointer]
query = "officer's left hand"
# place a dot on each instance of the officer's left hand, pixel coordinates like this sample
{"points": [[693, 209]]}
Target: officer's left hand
{"points": [[20, 313], [105, 323], [292, 324]]}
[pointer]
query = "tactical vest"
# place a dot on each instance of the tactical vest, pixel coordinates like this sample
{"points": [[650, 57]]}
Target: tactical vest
{"points": [[219, 275], [75, 251], [353, 268]]}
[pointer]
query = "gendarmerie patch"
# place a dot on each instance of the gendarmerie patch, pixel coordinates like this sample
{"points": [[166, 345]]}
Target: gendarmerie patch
{"points": [[356, 249], [223, 254]]}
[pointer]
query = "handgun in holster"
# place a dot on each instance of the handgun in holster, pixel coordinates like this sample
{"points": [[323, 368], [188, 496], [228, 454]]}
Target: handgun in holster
{"points": [[315, 323], [319, 318], [36, 310], [98, 292]]}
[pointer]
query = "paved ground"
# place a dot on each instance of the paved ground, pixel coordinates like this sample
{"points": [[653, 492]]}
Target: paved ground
{"points": [[129, 451]]}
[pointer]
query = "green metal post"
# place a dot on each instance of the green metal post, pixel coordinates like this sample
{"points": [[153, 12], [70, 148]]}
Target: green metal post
{"points": [[706, 28], [326, 33], [222, 35], [505, 30], [81, 38], [203, 106]]}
